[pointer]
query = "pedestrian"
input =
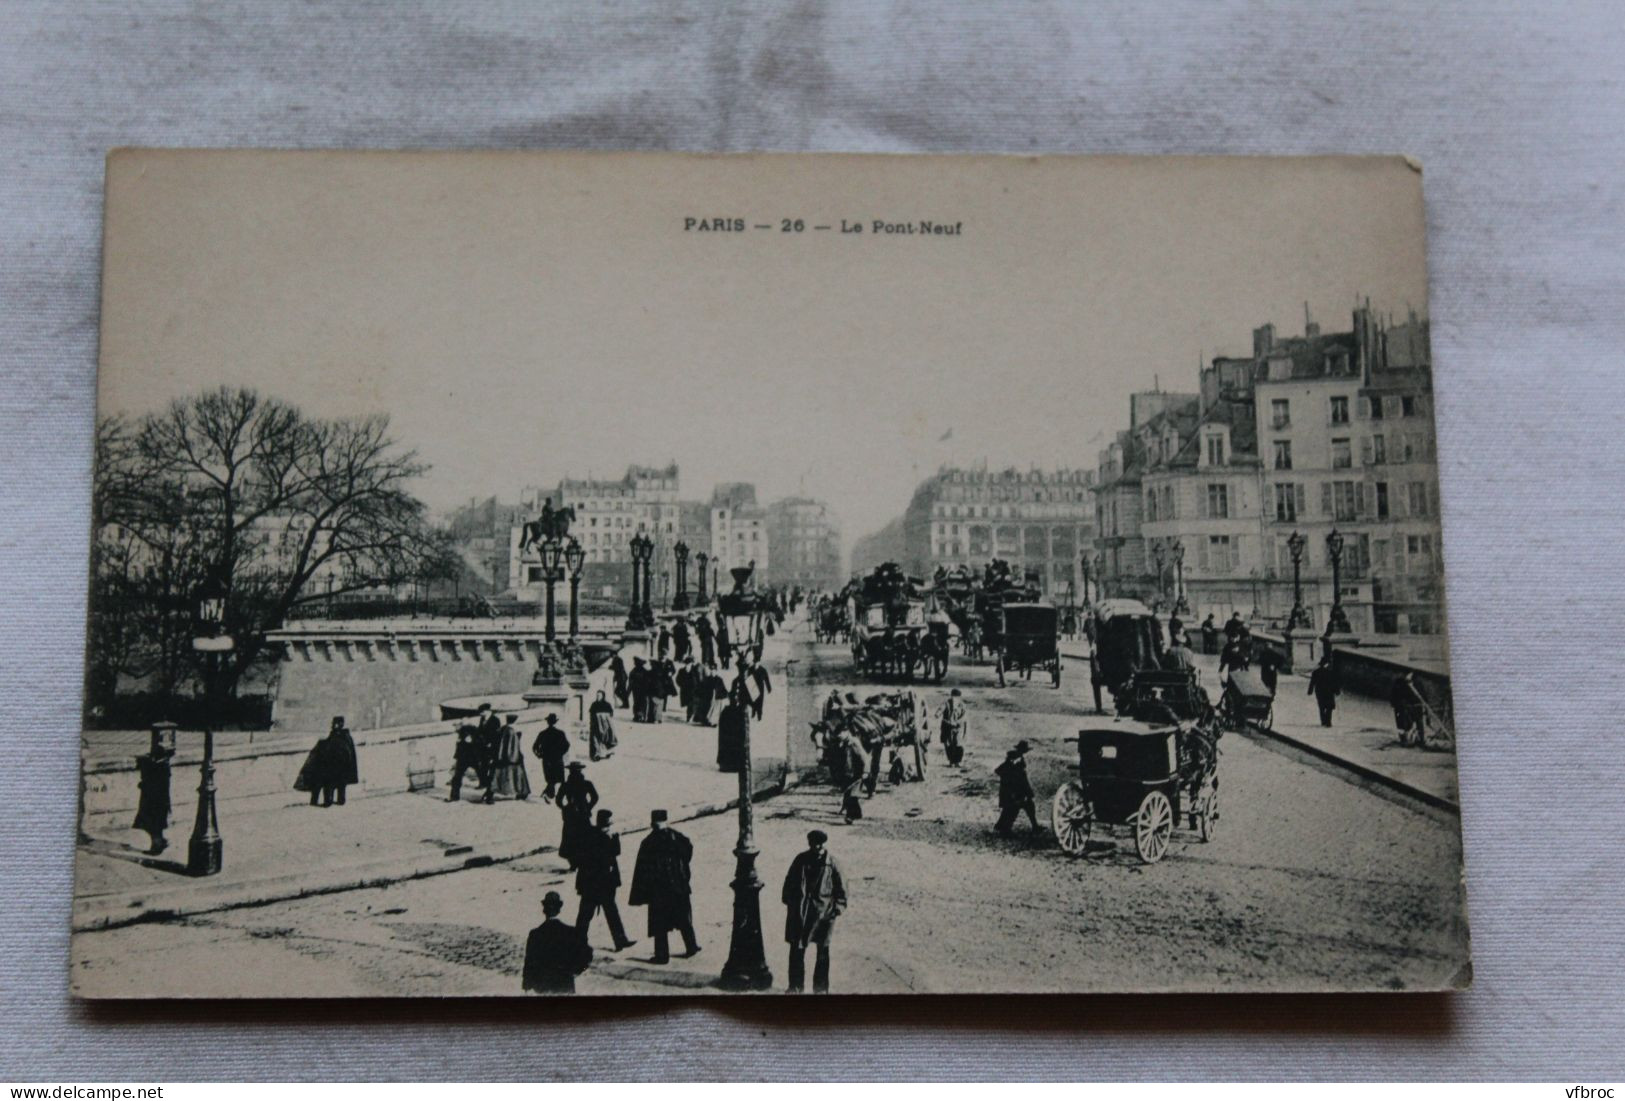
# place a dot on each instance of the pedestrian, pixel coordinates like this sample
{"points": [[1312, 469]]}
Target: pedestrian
{"points": [[663, 642], [1097, 679], [601, 729], [1210, 635], [702, 628], [733, 727], [577, 798], [660, 881], [724, 646], [488, 734], [1409, 709], [709, 689], [851, 758], [1234, 628], [638, 689], [1015, 791], [953, 728], [1235, 655], [680, 640], [1176, 630], [1324, 686], [508, 776], [555, 953], [617, 669], [552, 745], [814, 896], [1269, 669], [465, 755], [1177, 658], [153, 768], [763, 682], [330, 767], [598, 874], [665, 686]]}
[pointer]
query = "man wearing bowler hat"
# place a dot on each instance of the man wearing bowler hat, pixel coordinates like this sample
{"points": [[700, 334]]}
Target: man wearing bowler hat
{"points": [[1015, 790], [598, 874], [555, 953], [814, 896]]}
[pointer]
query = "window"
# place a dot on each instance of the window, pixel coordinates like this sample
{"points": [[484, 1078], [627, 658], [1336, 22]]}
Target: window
{"points": [[1218, 502], [1280, 413], [1151, 506], [1375, 405], [1340, 410], [1283, 454], [1342, 455], [1407, 406], [1382, 500], [533, 575], [1379, 450], [1217, 555], [1344, 500], [1288, 501], [1215, 450], [1418, 494], [1419, 549], [1169, 512]]}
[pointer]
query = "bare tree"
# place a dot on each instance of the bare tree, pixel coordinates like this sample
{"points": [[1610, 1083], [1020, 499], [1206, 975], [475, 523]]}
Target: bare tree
{"points": [[246, 490]]}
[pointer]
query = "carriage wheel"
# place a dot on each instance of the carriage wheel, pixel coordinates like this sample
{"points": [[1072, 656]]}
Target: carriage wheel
{"points": [[1208, 819], [1071, 817], [1153, 827]]}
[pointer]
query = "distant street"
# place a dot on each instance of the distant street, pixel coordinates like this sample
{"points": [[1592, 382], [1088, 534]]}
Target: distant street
{"points": [[1312, 881]]}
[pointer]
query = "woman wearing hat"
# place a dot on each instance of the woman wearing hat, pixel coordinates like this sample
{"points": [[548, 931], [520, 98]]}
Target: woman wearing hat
{"points": [[577, 797], [508, 776]]}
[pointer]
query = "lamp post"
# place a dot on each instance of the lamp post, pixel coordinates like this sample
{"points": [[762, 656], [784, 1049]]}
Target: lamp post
{"points": [[576, 559], [1083, 561], [1337, 622], [746, 968], [205, 854], [1181, 605], [665, 589], [552, 574], [1295, 545], [1100, 577], [701, 599], [648, 614], [1160, 554], [679, 552]]}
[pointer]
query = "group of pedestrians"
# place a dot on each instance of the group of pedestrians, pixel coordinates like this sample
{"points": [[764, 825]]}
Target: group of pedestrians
{"points": [[493, 750]]}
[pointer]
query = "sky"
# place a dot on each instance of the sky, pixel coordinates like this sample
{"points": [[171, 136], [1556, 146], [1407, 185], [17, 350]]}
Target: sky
{"points": [[524, 317]]}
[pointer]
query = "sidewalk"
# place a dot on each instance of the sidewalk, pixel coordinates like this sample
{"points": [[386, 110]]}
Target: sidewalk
{"points": [[1361, 738], [277, 846]]}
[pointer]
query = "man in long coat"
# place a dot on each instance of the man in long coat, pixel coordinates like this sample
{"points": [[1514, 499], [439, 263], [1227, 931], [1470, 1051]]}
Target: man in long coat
{"points": [[640, 686], [764, 684], [486, 738], [551, 745], [508, 776], [953, 728], [601, 729], [814, 896], [152, 809], [1324, 686], [464, 756], [555, 953], [617, 669], [598, 875], [660, 881], [708, 642], [1015, 790], [679, 639]]}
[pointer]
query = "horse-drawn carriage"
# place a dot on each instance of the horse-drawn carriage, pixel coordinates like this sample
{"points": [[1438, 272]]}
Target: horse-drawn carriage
{"points": [[891, 633], [1149, 771], [1246, 702], [1028, 639], [1127, 641]]}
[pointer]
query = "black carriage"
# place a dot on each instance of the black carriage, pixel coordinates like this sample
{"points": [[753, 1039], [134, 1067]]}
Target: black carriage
{"points": [[1029, 639], [1246, 701], [890, 633], [1127, 641], [1149, 772]]}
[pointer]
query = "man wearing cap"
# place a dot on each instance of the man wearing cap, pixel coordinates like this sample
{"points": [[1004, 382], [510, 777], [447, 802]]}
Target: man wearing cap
{"points": [[953, 728], [551, 745], [660, 881], [487, 738], [555, 953], [153, 767], [464, 756], [814, 896], [598, 874], [1015, 790]]}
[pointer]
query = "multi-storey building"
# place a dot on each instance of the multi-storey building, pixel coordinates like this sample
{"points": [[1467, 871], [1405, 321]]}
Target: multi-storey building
{"points": [[738, 531], [806, 541], [1039, 521], [1308, 435]]}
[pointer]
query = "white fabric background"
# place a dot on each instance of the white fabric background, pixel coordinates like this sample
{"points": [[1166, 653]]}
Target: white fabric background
{"points": [[1517, 111]]}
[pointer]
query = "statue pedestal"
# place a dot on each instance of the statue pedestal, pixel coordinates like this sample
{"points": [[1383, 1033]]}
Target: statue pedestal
{"points": [[565, 696]]}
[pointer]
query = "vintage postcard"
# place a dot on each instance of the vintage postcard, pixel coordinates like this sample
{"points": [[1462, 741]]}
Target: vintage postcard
{"points": [[533, 574]]}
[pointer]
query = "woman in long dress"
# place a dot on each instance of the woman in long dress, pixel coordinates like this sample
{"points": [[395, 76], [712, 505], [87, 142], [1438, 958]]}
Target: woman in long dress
{"points": [[576, 799], [508, 777], [601, 728]]}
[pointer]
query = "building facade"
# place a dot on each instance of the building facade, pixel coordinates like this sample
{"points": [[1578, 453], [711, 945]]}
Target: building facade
{"points": [[805, 539], [738, 532], [1039, 521]]}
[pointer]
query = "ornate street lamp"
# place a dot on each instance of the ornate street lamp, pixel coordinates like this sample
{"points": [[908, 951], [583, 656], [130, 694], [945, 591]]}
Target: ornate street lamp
{"points": [[1181, 605], [746, 968], [1159, 553], [1337, 622], [576, 559], [642, 548], [648, 582], [205, 854], [701, 599], [1083, 561], [680, 554], [1295, 545], [552, 574], [1100, 577]]}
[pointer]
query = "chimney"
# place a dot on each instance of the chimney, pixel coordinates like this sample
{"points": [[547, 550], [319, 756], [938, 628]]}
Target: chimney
{"points": [[1311, 328], [1263, 340]]}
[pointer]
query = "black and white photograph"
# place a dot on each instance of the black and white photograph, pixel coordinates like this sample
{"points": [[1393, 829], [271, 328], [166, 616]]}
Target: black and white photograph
{"points": [[527, 574]]}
